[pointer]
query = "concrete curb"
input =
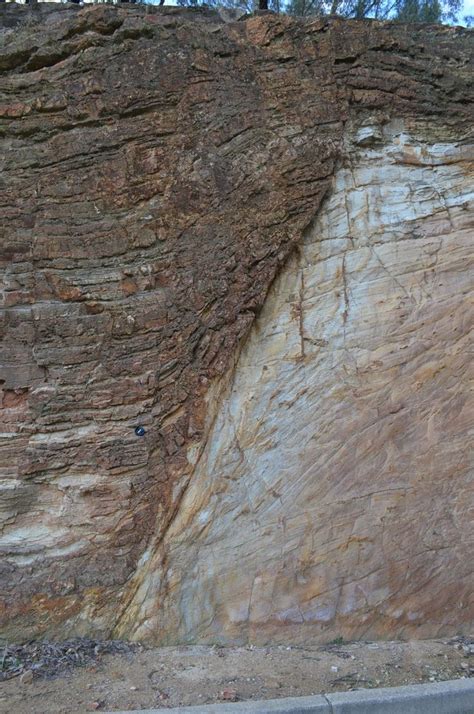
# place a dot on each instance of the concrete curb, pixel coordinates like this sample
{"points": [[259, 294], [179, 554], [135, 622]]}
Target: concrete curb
{"points": [[453, 697]]}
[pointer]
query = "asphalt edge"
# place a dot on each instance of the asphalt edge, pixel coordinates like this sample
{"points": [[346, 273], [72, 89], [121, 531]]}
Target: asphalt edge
{"points": [[455, 696]]}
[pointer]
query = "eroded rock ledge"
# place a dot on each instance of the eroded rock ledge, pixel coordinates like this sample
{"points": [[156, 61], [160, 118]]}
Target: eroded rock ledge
{"points": [[166, 178]]}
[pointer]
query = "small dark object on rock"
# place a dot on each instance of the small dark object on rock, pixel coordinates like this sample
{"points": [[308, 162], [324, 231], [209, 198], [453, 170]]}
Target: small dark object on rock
{"points": [[140, 431]]}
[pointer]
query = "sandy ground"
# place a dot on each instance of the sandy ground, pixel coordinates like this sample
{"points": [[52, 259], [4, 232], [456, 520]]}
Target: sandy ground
{"points": [[174, 676]]}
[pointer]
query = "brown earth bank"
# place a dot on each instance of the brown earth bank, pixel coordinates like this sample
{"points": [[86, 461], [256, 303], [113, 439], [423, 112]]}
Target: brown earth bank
{"points": [[174, 676], [253, 239]]}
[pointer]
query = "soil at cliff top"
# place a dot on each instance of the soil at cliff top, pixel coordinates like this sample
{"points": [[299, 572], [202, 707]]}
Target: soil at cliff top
{"points": [[138, 678]]}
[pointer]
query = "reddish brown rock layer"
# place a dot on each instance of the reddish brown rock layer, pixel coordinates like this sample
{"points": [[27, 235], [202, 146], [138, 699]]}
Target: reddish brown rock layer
{"points": [[158, 168]]}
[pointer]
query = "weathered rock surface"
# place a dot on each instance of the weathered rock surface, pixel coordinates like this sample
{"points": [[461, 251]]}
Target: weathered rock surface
{"points": [[252, 238]]}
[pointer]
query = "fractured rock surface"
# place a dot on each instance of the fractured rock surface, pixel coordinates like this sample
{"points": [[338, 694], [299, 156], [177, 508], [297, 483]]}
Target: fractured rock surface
{"points": [[177, 190], [336, 480]]}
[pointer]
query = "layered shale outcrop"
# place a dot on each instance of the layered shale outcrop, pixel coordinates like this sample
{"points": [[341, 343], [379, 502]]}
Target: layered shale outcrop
{"points": [[253, 239]]}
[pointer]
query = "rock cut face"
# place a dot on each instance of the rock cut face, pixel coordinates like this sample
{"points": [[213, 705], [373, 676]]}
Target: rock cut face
{"points": [[335, 490], [249, 238]]}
